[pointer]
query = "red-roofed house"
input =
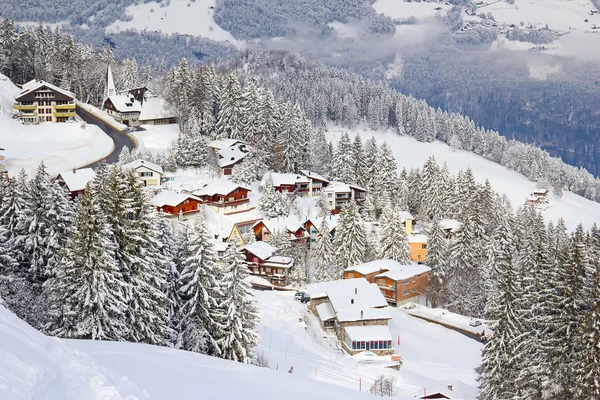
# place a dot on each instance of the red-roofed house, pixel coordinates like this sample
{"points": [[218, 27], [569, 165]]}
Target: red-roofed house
{"points": [[225, 197]]}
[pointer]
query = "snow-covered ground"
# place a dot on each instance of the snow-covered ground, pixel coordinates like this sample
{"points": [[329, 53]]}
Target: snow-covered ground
{"points": [[156, 138], [411, 153], [432, 355], [180, 16], [34, 366], [448, 318]]}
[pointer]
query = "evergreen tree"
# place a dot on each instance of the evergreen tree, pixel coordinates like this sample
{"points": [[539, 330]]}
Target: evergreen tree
{"points": [[230, 120], [86, 296], [272, 203], [199, 315], [343, 164], [324, 253], [241, 315], [169, 247], [349, 241], [361, 169], [437, 260], [394, 243]]}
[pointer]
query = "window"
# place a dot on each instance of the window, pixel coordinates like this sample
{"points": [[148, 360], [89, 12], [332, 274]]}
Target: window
{"points": [[423, 246], [406, 282], [329, 195], [313, 240], [48, 119], [405, 293], [268, 270], [362, 345], [389, 344]]}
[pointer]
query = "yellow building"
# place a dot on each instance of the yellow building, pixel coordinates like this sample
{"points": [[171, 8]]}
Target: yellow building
{"points": [[418, 247], [41, 101], [407, 220]]}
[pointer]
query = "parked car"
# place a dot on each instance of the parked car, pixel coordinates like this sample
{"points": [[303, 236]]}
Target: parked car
{"points": [[475, 322], [409, 306], [305, 299], [299, 295]]}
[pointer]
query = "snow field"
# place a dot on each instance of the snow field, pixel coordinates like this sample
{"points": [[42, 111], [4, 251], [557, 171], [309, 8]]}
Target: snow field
{"points": [[433, 356], [180, 16], [61, 146], [410, 153], [402, 9], [156, 138]]}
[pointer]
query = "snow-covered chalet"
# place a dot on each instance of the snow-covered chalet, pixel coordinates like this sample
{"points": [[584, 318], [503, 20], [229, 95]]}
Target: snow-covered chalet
{"points": [[40, 101]]}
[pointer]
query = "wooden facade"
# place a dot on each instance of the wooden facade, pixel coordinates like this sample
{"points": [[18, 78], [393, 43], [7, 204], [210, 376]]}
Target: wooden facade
{"points": [[400, 291], [187, 206]]}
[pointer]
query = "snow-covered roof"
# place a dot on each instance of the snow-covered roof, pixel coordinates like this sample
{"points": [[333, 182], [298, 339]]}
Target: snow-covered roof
{"points": [[155, 108], [77, 179], [34, 85], [375, 266], [337, 187], [332, 221], [417, 238], [222, 187], [279, 262], [258, 281], [222, 143], [230, 155], [218, 225], [450, 224], [404, 215], [404, 272], [540, 191], [219, 245], [282, 224], [349, 297], [358, 188], [125, 103], [325, 311], [281, 179], [314, 175], [143, 163], [171, 198], [262, 250], [368, 333]]}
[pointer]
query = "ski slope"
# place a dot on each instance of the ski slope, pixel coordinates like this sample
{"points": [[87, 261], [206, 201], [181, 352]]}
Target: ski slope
{"points": [[433, 356], [410, 153], [61, 146], [180, 16]]}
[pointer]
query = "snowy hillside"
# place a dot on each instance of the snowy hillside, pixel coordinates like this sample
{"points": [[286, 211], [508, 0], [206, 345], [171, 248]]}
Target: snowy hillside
{"points": [[60, 146], [410, 153], [34, 366], [180, 16]]}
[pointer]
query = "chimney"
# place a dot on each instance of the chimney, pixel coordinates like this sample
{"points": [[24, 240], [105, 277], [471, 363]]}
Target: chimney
{"points": [[361, 314], [74, 170], [450, 388], [351, 301], [355, 290]]}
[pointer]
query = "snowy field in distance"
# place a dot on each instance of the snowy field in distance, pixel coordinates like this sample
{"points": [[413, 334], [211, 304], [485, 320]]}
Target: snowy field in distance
{"points": [[433, 356], [180, 16], [410, 153], [157, 138], [402, 9]]}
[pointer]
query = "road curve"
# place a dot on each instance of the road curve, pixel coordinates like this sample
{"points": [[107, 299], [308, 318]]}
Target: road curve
{"points": [[119, 139]]}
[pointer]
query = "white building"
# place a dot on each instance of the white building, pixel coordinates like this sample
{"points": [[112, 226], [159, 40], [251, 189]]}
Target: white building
{"points": [[147, 172]]}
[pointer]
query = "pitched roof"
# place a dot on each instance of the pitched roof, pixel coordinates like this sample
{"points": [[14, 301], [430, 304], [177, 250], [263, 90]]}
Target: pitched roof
{"points": [[35, 85], [280, 179], [325, 311], [405, 272], [262, 250], [417, 238], [221, 143], [222, 187], [155, 108], [450, 224], [375, 266], [143, 163], [314, 175], [231, 155], [125, 103], [171, 198], [77, 179], [371, 332], [332, 221], [349, 297], [404, 215]]}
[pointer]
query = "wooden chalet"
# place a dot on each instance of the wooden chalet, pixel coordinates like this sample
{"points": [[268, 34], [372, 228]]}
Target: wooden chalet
{"points": [[75, 180], [225, 197], [228, 152], [262, 262], [173, 203], [293, 229]]}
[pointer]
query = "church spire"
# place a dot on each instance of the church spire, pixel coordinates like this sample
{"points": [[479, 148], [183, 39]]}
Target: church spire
{"points": [[110, 84]]}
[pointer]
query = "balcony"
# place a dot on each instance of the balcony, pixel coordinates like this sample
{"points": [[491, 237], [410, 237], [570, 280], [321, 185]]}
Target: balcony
{"points": [[29, 107], [66, 114], [69, 106]]}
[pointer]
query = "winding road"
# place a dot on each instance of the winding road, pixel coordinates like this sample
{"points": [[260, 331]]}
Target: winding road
{"points": [[119, 139]]}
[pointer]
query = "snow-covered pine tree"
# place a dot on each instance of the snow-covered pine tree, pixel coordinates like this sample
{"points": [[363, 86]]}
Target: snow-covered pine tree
{"points": [[130, 78], [324, 253], [169, 248], [250, 103], [429, 188], [320, 159], [394, 243], [502, 356], [245, 172], [361, 169], [7, 262], [241, 315], [343, 164], [270, 201], [13, 218], [199, 314], [125, 156], [86, 296], [230, 120], [60, 217], [437, 259], [349, 241], [289, 142]]}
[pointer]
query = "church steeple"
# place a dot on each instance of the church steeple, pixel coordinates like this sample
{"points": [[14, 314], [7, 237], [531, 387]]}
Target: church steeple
{"points": [[110, 84]]}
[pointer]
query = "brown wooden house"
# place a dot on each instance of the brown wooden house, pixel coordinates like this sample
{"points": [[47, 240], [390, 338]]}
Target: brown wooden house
{"points": [[225, 197], [173, 203], [262, 261]]}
